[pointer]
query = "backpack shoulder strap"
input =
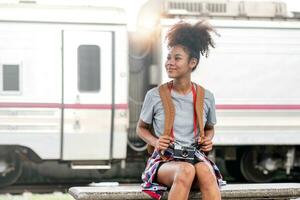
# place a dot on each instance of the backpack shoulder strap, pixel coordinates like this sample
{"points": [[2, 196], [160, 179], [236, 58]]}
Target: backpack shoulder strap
{"points": [[168, 106], [200, 92]]}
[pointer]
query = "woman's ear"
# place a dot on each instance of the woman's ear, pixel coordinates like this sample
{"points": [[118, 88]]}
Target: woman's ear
{"points": [[193, 63]]}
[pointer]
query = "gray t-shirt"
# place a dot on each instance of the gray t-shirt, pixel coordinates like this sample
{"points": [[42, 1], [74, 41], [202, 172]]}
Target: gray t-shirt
{"points": [[153, 113]]}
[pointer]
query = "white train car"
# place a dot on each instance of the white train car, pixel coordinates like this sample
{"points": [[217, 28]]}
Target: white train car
{"points": [[65, 90], [63, 86]]}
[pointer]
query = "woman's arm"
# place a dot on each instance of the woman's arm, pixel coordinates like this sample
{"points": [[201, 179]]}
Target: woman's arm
{"points": [[207, 144], [143, 132]]}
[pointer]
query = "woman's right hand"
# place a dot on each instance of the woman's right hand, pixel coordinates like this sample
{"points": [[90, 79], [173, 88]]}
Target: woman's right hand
{"points": [[163, 142]]}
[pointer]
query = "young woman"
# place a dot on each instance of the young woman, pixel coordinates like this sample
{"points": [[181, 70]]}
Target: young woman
{"points": [[185, 43]]}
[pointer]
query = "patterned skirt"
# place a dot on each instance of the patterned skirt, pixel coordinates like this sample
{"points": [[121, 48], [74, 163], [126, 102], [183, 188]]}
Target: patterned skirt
{"points": [[156, 190]]}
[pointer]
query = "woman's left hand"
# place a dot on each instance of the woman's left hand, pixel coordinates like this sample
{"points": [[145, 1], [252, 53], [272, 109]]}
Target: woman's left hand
{"points": [[206, 144]]}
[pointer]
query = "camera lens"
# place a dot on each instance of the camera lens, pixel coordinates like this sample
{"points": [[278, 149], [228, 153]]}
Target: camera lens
{"points": [[184, 153]]}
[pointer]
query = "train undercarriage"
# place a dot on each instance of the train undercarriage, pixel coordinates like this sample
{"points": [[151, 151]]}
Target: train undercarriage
{"points": [[260, 164]]}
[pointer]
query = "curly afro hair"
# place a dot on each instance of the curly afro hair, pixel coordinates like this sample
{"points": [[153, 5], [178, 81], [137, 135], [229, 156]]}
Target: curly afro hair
{"points": [[195, 38]]}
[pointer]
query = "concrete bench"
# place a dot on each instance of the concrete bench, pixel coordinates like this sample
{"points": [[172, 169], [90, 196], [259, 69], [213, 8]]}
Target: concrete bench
{"points": [[230, 191]]}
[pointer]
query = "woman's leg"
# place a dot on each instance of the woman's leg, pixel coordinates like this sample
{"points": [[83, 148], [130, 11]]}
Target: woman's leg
{"points": [[207, 182], [179, 176]]}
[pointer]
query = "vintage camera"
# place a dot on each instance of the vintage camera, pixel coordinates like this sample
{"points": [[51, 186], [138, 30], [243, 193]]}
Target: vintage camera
{"points": [[184, 153]]}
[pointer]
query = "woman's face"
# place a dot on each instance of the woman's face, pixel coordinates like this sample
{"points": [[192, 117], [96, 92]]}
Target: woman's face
{"points": [[178, 63]]}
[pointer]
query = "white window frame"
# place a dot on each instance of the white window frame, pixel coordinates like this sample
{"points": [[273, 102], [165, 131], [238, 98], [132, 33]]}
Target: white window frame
{"points": [[19, 92]]}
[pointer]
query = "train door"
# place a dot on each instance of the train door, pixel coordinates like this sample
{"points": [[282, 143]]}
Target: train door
{"points": [[87, 95]]}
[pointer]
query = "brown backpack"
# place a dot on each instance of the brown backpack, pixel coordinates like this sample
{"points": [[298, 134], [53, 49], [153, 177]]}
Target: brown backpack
{"points": [[169, 110]]}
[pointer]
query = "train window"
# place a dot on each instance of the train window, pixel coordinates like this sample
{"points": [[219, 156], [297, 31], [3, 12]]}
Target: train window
{"points": [[88, 61], [10, 78]]}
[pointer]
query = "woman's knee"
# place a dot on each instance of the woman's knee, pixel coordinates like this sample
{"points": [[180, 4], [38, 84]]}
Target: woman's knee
{"points": [[205, 176], [185, 174]]}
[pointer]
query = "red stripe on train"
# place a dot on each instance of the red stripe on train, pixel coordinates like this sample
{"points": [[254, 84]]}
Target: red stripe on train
{"points": [[96, 106], [66, 106], [258, 107], [125, 106]]}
